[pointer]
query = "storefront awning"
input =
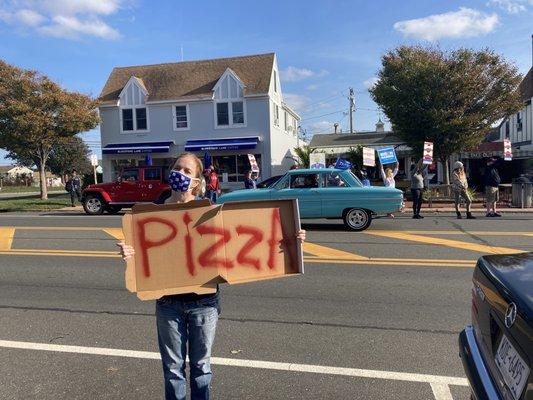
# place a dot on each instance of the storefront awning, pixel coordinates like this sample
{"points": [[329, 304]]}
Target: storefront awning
{"points": [[137, 148], [248, 142]]}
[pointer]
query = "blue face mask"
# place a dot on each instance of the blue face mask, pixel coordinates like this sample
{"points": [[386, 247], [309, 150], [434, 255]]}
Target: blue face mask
{"points": [[180, 182]]}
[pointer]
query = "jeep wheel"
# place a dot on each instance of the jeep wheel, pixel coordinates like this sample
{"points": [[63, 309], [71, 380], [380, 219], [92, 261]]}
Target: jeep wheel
{"points": [[93, 204], [113, 209], [357, 219]]}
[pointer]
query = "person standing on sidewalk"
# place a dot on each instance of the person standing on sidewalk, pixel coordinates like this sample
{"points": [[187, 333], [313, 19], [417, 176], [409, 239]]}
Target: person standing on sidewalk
{"points": [[460, 189], [388, 176], [213, 184], [492, 181], [73, 186], [418, 174], [250, 182]]}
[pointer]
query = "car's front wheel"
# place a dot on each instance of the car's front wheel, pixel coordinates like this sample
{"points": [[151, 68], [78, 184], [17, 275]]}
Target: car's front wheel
{"points": [[357, 219], [93, 204]]}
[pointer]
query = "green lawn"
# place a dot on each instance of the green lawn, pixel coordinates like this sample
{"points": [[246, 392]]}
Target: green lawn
{"points": [[34, 203], [24, 189]]}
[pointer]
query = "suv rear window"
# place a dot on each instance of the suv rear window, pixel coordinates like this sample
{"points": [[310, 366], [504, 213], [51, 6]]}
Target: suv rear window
{"points": [[152, 174], [130, 175]]}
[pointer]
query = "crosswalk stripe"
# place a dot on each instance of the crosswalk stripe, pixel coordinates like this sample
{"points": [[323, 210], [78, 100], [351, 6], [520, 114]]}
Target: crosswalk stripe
{"points": [[6, 238], [482, 248]]}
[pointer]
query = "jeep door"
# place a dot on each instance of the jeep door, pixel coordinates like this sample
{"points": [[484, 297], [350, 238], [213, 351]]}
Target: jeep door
{"points": [[130, 187], [151, 186]]}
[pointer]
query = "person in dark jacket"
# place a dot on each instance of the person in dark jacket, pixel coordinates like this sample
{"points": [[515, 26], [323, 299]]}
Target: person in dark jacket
{"points": [[73, 187], [250, 182], [492, 181]]}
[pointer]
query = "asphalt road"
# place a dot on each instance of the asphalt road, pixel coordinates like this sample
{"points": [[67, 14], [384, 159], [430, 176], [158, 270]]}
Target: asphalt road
{"points": [[380, 324]]}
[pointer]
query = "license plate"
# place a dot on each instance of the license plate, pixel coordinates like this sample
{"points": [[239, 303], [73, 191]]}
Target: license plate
{"points": [[512, 367]]}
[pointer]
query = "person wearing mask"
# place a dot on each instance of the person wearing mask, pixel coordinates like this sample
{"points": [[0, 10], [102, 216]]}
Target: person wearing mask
{"points": [[388, 176], [492, 181], [250, 182], [186, 323], [213, 184], [460, 189], [418, 175], [73, 187]]}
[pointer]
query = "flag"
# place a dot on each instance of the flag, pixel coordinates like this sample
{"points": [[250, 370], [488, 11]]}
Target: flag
{"points": [[427, 156], [507, 150], [343, 164]]}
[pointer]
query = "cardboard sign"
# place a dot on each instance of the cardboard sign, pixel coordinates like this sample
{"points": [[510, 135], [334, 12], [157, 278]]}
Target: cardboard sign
{"points": [[192, 247], [507, 150], [253, 163], [387, 155], [427, 157], [369, 157], [94, 160], [317, 160]]}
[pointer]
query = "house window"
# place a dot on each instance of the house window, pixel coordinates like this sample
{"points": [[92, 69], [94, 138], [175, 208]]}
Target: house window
{"points": [[275, 81], [237, 112], [507, 129], [518, 122], [127, 119], [140, 118], [181, 120], [286, 121], [276, 115], [222, 114]]}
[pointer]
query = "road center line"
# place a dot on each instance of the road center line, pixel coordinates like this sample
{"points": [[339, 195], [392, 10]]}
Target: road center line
{"points": [[317, 369], [441, 392]]}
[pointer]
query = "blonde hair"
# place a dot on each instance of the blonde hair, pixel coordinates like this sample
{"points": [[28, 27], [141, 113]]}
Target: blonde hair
{"points": [[199, 190], [388, 173]]}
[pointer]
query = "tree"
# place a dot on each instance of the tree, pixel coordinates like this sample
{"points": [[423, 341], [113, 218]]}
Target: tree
{"points": [[36, 114], [448, 98], [303, 154], [355, 156], [71, 153]]}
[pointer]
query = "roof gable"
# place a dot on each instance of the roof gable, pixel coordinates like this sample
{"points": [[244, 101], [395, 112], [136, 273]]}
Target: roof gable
{"points": [[191, 78], [526, 86]]}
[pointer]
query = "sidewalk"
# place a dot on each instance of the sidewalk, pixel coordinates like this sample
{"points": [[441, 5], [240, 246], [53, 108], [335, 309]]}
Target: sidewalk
{"points": [[450, 207]]}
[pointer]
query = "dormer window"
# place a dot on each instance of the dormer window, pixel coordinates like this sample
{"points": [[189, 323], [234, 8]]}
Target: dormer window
{"points": [[229, 103], [133, 110]]}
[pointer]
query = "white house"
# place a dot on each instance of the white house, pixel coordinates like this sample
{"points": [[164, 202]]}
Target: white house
{"points": [[227, 107]]}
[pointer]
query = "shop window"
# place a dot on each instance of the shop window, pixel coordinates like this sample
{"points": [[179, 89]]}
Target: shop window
{"points": [[181, 117], [234, 167]]}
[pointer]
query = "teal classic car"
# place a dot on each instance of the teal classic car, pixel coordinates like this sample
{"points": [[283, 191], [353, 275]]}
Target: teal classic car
{"points": [[328, 193]]}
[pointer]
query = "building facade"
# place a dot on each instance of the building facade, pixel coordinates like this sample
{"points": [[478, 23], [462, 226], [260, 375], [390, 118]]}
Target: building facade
{"points": [[221, 110]]}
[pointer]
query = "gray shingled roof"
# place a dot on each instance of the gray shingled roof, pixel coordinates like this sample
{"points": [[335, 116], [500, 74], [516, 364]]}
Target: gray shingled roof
{"points": [[191, 78], [526, 86], [347, 139]]}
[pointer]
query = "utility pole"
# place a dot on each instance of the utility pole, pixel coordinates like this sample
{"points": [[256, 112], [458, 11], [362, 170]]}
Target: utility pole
{"points": [[352, 106]]}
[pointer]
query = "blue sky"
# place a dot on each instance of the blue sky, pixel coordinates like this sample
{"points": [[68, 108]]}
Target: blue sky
{"points": [[323, 47]]}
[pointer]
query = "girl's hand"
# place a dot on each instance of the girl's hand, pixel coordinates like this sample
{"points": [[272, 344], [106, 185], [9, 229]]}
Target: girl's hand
{"points": [[126, 251], [301, 235]]}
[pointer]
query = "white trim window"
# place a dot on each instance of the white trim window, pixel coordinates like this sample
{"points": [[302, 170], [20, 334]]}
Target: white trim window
{"points": [[229, 103], [133, 112], [180, 117], [276, 114]]}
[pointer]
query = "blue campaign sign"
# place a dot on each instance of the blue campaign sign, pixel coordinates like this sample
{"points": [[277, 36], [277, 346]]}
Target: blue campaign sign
{"points": [[387, 155]]}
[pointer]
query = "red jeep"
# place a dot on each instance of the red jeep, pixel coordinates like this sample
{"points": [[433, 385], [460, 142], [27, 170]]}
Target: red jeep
{"points": [[133, 185]]}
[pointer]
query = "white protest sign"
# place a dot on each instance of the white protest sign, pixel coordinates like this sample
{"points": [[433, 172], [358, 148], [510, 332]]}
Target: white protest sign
{"points": [[317, 160], [507, 150], [428, 153], [94, 160], [369, 157], [253, 163]]}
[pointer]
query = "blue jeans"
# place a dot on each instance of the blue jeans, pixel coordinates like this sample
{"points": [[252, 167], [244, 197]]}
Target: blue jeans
{"points": [[181, 323], [211, 195]]}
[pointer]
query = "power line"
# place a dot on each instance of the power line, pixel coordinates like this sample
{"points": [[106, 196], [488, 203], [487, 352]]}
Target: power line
{"points": [[323, 115]]}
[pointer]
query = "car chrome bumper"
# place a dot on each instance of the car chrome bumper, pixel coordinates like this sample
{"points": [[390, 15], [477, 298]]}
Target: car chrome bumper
{"points": [[474, 366]]}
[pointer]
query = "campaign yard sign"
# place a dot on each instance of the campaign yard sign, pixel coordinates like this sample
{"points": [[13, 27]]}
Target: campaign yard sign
{"points": [[317, 160], [427, 156], [192, 247], [253, 163], [507, 150], [369, 157], [387, 155]]}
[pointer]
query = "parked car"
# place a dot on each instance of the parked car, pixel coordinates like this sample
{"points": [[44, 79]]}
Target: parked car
{"points": [[497, 350], [268, 182], [133, 185], [328, 193]]}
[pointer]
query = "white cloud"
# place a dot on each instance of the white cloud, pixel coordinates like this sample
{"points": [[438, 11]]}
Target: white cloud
{"points": [[323, 127], [454, 24], [311, 87], [68, 19], [296, 101], [511, 6], [73, 28], [294, 74], [370, 82]]}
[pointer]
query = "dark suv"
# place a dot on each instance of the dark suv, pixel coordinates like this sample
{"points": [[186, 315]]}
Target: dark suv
{"points": [[133, 185]]}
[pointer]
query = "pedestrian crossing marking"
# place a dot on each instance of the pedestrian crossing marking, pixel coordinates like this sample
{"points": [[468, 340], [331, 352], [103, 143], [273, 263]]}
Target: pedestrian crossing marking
{"points": [[115, 232], [328, 252], [6, 238], [482, 248]]}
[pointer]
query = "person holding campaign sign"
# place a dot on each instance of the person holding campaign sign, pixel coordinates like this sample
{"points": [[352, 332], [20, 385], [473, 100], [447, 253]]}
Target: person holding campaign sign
{"points": [[388, 175], [186, 323]]}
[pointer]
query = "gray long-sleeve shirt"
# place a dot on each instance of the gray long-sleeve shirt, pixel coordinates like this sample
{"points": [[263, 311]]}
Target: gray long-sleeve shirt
{"points": [[417, 178]]}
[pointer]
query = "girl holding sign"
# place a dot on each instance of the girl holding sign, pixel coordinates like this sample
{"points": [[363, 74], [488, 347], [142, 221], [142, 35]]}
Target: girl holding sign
{"points": [[388, 176], [186, 321]]}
